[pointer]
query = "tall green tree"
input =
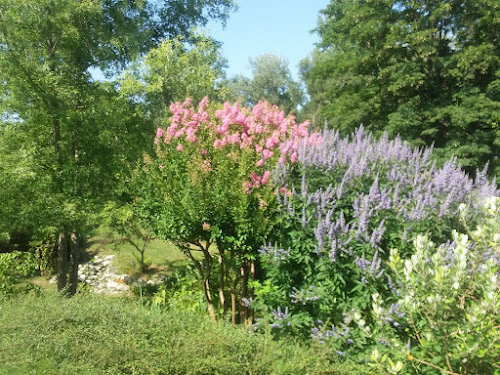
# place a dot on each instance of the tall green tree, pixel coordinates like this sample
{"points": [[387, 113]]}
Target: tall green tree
{"points": [[271, 81], [172, 71], [429, 70], [81, 132]]}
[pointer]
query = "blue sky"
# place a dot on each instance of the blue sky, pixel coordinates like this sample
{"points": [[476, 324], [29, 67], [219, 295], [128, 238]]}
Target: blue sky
{"points": [[281, 27]]}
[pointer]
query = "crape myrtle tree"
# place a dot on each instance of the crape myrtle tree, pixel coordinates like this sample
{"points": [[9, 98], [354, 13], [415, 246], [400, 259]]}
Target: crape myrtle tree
{"points": [[428, 70], [210, 183], [169, 72], [79, 131]]}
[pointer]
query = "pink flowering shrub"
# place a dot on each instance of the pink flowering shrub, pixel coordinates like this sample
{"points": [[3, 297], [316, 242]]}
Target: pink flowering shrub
{"points": [[211, 183], [263, 131]]}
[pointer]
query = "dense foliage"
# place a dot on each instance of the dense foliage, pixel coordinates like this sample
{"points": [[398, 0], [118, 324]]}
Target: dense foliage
{"points": [[13, 267], [448, 301], [78, 134], [428, 70], [172, 71], [344, 208]]}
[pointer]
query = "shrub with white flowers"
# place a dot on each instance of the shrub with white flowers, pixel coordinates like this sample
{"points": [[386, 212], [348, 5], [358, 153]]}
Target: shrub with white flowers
{"points": [[448, 313]]}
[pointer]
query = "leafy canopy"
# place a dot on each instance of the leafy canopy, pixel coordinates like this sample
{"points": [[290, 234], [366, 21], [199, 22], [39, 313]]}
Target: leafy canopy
{"points": [[271, 81], [428, 70]]}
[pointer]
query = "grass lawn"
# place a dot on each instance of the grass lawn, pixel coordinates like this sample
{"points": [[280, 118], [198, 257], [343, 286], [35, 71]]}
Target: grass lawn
{"points": [[43, 282], [95, 335], [164, 257]]}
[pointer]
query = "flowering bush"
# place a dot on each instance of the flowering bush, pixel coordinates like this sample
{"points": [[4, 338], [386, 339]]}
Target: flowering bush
{"points": [[449, 304], [210, 183], [343, 208]]}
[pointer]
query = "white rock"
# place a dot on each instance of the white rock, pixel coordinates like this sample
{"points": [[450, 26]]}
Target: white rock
{"points": [[113, 285], [123, 279]]}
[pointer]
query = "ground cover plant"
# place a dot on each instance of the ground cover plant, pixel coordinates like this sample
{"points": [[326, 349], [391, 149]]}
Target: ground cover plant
{"points": [[344, 208], [98, 335]]}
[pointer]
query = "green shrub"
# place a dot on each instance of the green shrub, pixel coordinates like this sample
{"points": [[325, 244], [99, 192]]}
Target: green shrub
{"points": [[181, 291], [351, 201], [13, 267], [44, 251], [447, 315], [450, 300]]}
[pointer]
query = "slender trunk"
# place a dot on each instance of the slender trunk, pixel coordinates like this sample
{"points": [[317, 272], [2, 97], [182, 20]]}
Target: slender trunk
{"points": [[252, 275], [243, 295], [53, 107], [204, 272], [63, 261], [208, 298], [206, 282], [62, 248], [234, 290], [233, 307], [221, 280], [143, 251], [74, 261], [77, 194]]}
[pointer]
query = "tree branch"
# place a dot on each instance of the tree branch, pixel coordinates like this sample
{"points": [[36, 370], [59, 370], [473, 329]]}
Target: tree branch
{"points": [[412, 358]]}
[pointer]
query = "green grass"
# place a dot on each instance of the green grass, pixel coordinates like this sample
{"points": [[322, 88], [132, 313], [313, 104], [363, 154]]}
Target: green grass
{"points": [[43, 282], [164, 257], [98, 335]]}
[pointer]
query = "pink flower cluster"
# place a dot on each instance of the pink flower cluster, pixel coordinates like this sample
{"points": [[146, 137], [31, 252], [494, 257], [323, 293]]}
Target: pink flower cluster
{"points": [[206, 166], [184, 122], [264, 129]]}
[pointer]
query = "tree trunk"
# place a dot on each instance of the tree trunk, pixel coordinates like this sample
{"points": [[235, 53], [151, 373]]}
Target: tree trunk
{"points": [[206, 282], [243, 295], [233, 307], [208, 298], [252, 275], [144, 269], [221, 280], [63, 261], [74, 261]]}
